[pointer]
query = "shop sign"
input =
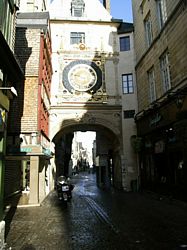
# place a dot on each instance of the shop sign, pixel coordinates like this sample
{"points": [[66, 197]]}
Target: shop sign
{"points": [[26, 150], [17, 149], [155, 120], [12, 149]]}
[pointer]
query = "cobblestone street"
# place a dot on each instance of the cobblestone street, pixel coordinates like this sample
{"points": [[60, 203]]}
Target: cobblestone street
{"points": [[100, 219]]}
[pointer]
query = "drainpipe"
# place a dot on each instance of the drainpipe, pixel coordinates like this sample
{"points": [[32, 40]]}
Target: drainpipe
{"points": [[40, 85]]}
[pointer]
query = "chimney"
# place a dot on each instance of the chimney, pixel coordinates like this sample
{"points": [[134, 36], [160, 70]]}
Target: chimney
{"points": [[106, 4]]}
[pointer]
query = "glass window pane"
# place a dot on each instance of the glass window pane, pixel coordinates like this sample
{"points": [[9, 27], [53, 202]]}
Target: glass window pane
{"points": [[77, 37], [124, 43], [127, 84]]}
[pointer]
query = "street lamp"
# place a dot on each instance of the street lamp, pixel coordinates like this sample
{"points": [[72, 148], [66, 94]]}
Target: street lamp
{"points": [[12, 89]]}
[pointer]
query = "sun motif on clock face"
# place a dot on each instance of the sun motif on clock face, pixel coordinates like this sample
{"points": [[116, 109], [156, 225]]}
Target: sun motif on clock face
{"points": [[82, 75]]}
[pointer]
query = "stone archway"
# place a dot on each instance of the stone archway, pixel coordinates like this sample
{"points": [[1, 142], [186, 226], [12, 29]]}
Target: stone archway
{"points": [[107, 127]]}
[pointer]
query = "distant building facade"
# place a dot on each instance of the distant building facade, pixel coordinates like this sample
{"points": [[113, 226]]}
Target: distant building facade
{"points": [[161, 71]]}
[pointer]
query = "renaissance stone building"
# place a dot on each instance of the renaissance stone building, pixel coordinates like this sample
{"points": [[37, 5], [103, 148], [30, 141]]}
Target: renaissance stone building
{"points": [[161, 71], [93, 87]]}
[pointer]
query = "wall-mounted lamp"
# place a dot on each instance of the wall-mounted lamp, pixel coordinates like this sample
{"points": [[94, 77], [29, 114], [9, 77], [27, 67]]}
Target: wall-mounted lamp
{"points": [[178, 98], [179, 101], [12, 89]]}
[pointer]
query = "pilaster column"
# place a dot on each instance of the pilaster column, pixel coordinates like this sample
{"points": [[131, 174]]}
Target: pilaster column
{"points": [[116, 62], [34, 180]]}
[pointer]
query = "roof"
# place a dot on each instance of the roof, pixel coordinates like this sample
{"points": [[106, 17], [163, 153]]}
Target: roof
{"points": [[33, 19], [125, 28]]}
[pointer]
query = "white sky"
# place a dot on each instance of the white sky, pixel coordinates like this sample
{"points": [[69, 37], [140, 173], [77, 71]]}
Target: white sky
{"points": [[86, 138]]}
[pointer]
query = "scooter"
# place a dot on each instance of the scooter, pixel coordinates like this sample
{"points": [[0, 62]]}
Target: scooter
{"points": [[64, 189]]}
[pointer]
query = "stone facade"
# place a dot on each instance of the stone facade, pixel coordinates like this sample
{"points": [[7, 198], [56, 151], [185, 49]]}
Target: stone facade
{"points": [[97, 108], [164, 39], [160, 45]]}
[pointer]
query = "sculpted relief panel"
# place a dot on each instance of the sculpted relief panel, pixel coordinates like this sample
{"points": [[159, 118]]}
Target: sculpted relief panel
{"points": [[108, 119]]}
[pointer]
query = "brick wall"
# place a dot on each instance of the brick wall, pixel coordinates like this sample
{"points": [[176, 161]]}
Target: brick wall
{"points": [[27, 50], [30, 109], [28, 53]]}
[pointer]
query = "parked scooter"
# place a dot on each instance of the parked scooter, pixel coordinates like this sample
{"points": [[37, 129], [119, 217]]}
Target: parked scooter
{"points": [[64, 189]]}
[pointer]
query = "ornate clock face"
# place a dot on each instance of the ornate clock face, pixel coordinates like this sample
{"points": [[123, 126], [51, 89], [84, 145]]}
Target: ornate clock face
{"points": [[82, 75]]}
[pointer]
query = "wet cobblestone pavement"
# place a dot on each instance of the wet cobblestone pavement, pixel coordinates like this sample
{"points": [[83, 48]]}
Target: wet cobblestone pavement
{"points": [[100, 220]]}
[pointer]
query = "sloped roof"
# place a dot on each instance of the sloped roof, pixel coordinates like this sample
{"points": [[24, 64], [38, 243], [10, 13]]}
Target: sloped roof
{"points": [[33, 19], [125, 28]]}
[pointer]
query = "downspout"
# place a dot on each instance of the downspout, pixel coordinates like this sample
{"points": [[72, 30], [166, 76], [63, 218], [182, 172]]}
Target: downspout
{"points": [[40, 85]]}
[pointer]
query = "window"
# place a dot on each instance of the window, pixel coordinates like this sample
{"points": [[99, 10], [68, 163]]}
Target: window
{"points": [[162, 13], [125, 43], [127, 84], [165, 72], [151, 80], [129, 114], [30, 6], [77, 8], [148, 30], [77, 37]]}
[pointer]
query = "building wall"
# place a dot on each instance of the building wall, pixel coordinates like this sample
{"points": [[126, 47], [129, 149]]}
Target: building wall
{"points": [[7, 21], [141, 8], [161, 122], [172, 37], [129, 103], [28, 53], [104, 107], [28, 50], [32, 5], [62, 10], [29, 121], [33, 49], [10, 74]]}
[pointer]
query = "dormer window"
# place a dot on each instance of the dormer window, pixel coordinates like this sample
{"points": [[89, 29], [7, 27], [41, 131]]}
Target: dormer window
{"points": [[77, 8]]}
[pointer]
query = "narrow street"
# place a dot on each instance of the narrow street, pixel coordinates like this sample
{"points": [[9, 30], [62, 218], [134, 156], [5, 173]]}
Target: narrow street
{"points": [[100, 219]]}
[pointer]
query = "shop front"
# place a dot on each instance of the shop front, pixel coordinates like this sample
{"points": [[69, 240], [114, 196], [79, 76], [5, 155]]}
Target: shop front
{"points": [[10, 75], [31, 169], [163, 158]]}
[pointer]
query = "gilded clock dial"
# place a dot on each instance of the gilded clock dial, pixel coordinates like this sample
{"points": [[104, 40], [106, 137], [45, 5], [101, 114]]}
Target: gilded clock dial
{"points": [[82, 77]]}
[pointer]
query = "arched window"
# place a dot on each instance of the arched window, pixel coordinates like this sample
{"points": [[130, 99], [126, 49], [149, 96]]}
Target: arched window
{"points": [[77, 8]]}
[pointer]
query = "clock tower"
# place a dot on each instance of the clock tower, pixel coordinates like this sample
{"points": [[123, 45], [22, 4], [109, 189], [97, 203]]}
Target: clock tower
{"points": [[86, 94]]}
